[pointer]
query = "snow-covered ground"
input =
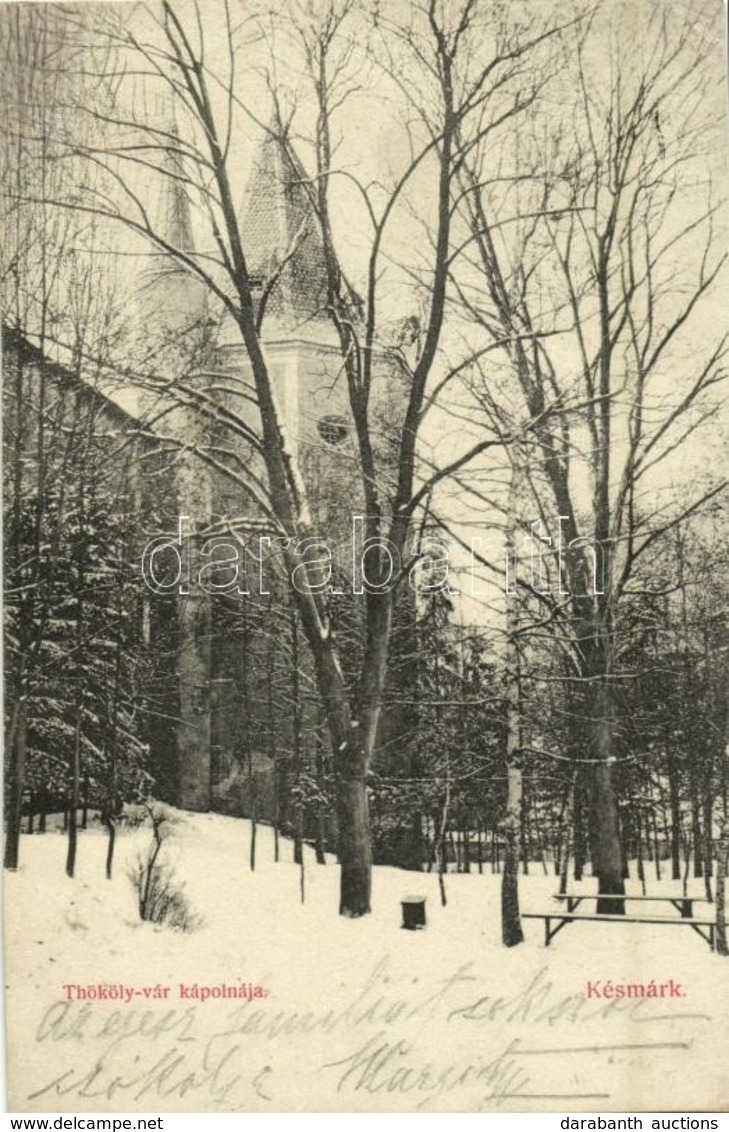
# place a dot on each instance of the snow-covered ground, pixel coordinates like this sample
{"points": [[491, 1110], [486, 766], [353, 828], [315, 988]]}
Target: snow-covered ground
{"points": [[357, 1015]]}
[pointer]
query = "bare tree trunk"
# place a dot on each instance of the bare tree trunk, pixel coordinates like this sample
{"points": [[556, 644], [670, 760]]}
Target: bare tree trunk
{"points": [[320, 806], [455, 848], [272, 747], [319, 847], [722, 865], [442, 845], [465, 837], [523, 833], [579, 830], [567, 825], [85, 804], [19, 737], [254, 820], [300, 842], [639, 850], [511, 928], [622, 822], [297, 741], [687, 841], [565, 865], [193, 678], [607, 858], [540, 847], [355, 849], [108, 821], [696, 825], [656, 853], [432, 841], [276, 819], [707, 841], [75, 788], [673, 787]]}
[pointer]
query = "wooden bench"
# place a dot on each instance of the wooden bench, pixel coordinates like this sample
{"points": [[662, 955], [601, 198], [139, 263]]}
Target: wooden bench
{"points": [[705, 928]]}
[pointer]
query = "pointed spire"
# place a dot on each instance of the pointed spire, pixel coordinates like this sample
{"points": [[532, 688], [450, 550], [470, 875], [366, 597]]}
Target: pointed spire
{"points": [[280, 224], [178, 295], [174, 220]]}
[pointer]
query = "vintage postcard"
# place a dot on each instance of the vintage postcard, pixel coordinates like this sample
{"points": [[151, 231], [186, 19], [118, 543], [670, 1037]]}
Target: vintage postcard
{"points": [[366, 588]]}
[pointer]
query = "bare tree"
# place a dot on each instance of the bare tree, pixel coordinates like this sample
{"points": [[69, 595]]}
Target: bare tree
{"points": [[588, 272]]}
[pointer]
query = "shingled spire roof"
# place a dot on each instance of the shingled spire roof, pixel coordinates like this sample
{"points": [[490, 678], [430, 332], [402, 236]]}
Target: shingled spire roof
{"points": [[174, 220], [279, 221], [178, 291]]}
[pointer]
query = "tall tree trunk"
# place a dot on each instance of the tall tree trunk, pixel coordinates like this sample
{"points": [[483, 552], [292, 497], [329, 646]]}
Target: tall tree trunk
{"points": [[273, 747], [578, 826], [75, 791], [540, 845], [687, 841], [108, 821], [254, 818], [696, 825], [432, 842], [442, 845], [567, 823], [523, 829], [353, 740], [193, 677], [320, 806], [246, 739], [708, 841], [656, 849], [18, 744], [565, 864], [607, 858], [673, 786], [722, 864], [297, 740], [511, 928], [465, 839], [622, 822], [639, 850], [355, 846]]}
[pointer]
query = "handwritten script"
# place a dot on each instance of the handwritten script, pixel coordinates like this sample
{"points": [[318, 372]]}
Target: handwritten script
{"points": [[394, 1042]]}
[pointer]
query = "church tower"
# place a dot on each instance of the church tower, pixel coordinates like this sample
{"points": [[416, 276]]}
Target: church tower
{"points": [[286, 263], [177, 302]]}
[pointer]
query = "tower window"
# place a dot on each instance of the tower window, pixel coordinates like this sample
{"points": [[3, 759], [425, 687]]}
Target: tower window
{"points": [[333, 429]]}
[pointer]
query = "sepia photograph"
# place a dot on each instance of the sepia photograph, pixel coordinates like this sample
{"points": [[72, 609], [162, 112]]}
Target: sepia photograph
{"points": [[365, 556]]}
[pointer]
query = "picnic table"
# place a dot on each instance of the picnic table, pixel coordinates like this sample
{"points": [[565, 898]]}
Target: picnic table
{"points": [[683, 904]]}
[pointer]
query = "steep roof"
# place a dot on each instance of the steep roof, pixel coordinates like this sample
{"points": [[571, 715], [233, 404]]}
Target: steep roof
{"points": [[279, 223], [116, 401], [179, 292]]}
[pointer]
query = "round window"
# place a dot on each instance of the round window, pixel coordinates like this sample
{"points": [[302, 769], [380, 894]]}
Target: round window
{"points": [[333, 429]]}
